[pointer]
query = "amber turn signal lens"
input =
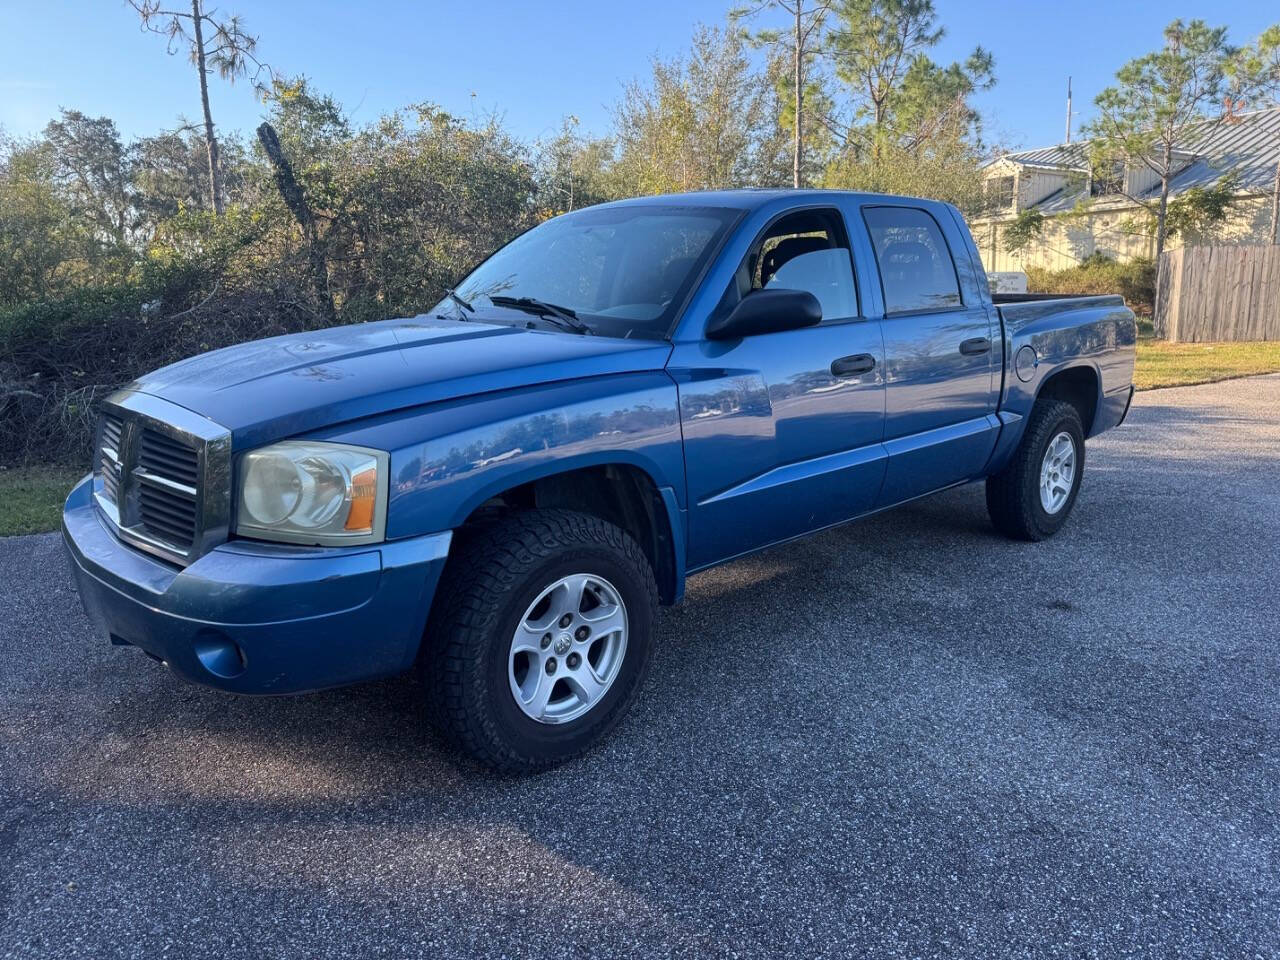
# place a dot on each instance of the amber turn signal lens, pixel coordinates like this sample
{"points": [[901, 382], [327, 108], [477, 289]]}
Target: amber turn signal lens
{"points": [[364, 497]]}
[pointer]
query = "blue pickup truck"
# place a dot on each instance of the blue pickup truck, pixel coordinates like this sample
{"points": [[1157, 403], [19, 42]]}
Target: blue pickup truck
{"points": [[501, 491]]}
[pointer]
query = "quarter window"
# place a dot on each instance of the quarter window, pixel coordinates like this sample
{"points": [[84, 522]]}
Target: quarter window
{"points": [[916, 267]]}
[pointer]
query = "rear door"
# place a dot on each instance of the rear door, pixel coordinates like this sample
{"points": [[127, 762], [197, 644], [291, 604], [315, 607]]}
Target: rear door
{"points": [[941, 351]]}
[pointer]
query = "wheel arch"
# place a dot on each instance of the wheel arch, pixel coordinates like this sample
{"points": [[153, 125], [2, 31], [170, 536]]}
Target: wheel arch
{"points": [[1078, 384], [617, 491]]}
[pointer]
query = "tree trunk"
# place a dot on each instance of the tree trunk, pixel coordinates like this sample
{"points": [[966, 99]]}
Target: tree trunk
{"points": [[294, 198], [798, 125], [879, 105], [1162, 217], [1275, 207], [210, 141]]}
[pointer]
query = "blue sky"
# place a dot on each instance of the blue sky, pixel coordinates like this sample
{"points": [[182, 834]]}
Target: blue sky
{"points": [[532, 62]]}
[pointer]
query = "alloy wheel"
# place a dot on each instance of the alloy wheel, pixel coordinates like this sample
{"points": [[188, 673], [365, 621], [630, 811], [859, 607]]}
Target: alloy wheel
{"points": [[568, 648], [1057, 472]]}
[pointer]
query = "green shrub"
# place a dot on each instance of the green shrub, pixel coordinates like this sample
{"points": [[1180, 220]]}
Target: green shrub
{"points": [[1134, 280], [107, 278], [60, 356], [1026, 228]]}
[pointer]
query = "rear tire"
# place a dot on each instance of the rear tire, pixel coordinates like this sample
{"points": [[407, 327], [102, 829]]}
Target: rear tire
{"points": [[1031, 498], [540, 639]]}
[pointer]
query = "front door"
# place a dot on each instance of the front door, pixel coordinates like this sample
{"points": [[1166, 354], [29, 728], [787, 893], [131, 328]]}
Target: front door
{"points": [[782, 431]]}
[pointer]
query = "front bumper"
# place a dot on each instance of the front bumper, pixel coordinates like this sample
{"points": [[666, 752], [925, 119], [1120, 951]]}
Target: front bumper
{"points": [[255, 617]]}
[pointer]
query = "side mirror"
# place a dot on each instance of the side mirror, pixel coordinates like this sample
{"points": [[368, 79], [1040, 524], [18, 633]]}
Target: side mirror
{"points": [[767, 311]]}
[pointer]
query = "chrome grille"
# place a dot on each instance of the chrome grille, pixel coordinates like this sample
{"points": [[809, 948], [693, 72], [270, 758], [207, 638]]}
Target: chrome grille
{"points": [[109, 456], [169, 458], [168, 475], [163, 476]]}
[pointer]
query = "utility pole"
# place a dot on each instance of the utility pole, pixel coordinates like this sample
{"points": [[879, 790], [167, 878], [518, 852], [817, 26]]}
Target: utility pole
{"points": [[1068, 110]]}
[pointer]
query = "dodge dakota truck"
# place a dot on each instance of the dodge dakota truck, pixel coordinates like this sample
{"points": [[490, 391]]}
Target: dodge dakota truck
{"points": [[501, 491]]}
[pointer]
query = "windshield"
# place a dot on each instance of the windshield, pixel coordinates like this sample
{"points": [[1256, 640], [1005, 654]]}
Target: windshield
{"points": [[622, 271]]}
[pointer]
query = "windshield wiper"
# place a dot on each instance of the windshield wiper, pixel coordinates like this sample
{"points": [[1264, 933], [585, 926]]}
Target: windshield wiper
{"points": [[464, 304], [560, 316]]}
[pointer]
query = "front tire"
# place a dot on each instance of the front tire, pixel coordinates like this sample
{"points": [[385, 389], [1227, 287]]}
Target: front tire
{"points": [[1031, 498], [541, 637]]}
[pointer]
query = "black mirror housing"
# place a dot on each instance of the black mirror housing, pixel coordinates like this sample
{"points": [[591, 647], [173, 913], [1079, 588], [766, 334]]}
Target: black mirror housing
{"points": [[767, 311]]}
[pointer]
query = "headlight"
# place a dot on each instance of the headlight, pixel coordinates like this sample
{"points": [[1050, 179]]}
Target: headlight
{"points": [[322, 493]]}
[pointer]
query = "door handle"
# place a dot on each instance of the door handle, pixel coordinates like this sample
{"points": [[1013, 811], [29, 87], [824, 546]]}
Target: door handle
{"points": [[976, 345], [854, 365]]}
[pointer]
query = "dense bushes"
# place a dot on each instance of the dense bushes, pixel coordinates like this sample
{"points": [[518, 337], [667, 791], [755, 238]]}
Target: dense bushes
{"points": [[1135, 280], [399, 209], [61, 356]]}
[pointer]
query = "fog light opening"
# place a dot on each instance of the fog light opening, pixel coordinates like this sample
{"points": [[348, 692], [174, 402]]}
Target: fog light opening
{"points": [[219, 654]]}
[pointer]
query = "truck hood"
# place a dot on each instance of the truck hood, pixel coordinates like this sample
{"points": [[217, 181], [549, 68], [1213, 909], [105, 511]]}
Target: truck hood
{"points": [[283, 386]]}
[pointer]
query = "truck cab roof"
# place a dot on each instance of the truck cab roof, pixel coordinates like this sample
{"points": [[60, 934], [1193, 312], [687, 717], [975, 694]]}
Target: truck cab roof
{"points": [[754, 198]]}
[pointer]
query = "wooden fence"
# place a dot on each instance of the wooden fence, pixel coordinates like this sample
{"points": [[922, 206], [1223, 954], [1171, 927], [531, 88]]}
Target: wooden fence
{"points": [[1219, 293]]}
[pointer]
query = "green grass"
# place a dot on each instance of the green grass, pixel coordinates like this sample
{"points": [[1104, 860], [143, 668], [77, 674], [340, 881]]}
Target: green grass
{"points": [[1163, 364], [31, 498]]}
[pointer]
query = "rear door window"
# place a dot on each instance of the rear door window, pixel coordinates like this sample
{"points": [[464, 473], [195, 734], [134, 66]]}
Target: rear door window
{"points": [[917, 271]]}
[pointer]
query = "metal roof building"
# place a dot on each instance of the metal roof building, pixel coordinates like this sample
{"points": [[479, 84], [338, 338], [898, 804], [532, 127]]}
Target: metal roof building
{"points": [[1107, 210], [1247, 147]]}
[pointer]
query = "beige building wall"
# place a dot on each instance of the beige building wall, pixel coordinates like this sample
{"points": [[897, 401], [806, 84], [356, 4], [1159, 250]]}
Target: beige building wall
{"points": [[1036, 184], [1069, 239]]}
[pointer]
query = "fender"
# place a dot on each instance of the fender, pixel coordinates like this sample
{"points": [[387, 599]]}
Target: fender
{"points": [[449, 458], [1097, 334]]}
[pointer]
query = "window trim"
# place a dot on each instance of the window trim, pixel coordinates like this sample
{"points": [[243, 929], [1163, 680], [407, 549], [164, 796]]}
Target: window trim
{"points": [[995, 200], [884, 299], [757, 243]]}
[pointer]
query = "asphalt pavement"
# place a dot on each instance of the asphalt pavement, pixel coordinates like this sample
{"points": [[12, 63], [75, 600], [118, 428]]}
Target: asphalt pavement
{"points": [[906, 737]]}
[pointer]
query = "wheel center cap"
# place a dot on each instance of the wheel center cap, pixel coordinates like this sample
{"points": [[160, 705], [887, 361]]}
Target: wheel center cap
{"points": [[563, 643]]}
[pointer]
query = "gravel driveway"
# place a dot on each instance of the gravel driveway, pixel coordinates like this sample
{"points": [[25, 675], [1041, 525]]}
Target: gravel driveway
{"points": [[905, 737]]}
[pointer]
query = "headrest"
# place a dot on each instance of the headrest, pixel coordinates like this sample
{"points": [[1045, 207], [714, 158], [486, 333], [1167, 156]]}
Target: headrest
{"points": [[789, 249]]}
